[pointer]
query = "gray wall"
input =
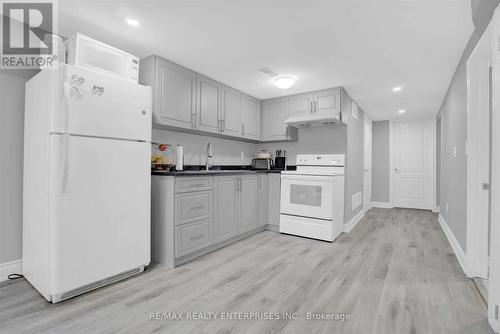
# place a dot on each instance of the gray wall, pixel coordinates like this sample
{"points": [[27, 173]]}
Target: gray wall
{"points": [[453, 115], [381, 161], [312, 140], [355, 155], [11, 155], [225, 151]]}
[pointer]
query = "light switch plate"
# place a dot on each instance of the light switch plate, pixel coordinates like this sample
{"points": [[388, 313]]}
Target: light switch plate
{"points": [[454, 151], [242, 155]]}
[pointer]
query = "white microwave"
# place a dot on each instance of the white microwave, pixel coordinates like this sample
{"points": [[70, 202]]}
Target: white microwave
{"points": [[87, 52]]}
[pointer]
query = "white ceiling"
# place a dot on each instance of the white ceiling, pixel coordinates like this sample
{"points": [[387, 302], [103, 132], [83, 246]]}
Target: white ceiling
{"points": [[367, 46]]}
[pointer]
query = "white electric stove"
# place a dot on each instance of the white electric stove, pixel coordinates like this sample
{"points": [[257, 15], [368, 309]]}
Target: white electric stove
{"points": [[312, 197]]}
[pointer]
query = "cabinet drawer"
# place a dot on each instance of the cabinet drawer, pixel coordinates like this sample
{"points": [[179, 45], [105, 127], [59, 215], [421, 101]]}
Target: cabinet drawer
{"points": [[192, 206], [193, 236], [185, 184]]}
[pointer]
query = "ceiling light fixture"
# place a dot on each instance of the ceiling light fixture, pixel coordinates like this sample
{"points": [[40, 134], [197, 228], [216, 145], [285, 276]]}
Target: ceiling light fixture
{"points": [[132, 22], [284, 81], [401, 111], [397, 89]]}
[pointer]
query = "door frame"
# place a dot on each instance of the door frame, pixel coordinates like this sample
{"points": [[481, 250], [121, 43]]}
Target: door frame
{"points": [[392, 163], [494, 262], [477, 245], [367, 123]]}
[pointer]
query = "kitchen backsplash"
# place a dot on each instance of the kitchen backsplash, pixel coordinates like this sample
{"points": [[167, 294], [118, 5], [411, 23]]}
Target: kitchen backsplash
{"points": [[225, 151], [228, 152]]}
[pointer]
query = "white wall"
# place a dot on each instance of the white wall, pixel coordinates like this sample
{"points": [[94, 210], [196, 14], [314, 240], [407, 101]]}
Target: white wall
{"points": [[11, 157]]}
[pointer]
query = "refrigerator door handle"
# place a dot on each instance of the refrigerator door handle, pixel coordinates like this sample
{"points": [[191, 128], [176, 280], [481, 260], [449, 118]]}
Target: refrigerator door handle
{"points": [[66, 139]]}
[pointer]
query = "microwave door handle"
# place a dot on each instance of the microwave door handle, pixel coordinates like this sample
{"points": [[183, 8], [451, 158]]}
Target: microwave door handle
{"points": [[66, 139]]}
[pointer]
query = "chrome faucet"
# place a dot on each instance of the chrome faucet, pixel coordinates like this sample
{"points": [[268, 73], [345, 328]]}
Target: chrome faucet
{"points": [[208, 155]]}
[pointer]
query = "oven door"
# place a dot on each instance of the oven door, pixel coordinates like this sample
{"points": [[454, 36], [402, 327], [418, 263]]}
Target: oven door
{"points": [[307, 196]]}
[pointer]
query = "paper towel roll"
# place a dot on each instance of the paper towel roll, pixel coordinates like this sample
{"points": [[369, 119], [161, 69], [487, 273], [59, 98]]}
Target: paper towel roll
{"points": [[179, 158]]}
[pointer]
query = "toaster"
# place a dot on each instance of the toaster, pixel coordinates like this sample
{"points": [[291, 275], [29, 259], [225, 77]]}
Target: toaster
{"points": [[260, 163]]}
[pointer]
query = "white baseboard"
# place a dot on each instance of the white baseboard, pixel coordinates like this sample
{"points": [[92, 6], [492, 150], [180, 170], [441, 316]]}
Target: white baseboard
{"points": [[436, 209], [354, 220], [385, 205], [7, 268], [459, 252]]}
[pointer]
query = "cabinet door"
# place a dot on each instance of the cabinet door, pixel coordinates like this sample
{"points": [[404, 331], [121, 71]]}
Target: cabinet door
{"points": [[275, 112], [300, 105], [208, 104], [175, 94], [226, 207], [274, 200], [327, 103], [248, 203], [262, 198], [231, 112], [251, 118]]}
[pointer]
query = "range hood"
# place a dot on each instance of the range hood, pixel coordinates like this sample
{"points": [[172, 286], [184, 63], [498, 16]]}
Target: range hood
{"points": [[309, 121]]}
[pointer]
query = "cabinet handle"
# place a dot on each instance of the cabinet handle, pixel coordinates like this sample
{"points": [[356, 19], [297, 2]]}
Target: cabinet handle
{"points": [[196, 207], [311, 107], [196, 185], [197, 237], [223, 125], [193, 120], [315, 107]]}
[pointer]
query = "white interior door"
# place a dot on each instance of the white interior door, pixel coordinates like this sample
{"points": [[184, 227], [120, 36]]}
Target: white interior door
{"points": [[367, 161], [413, 175], [478, 164]]}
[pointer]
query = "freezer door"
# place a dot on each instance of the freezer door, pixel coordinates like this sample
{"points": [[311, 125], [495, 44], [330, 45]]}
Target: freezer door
{"points": [[100, 226], [95, 104]]}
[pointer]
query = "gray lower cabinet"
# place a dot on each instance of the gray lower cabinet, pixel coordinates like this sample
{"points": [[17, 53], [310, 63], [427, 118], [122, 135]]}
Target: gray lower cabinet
{"points": [[262, 199], [248, 203], [225, 208], [274, 201], [192, 215], [193, 236]]}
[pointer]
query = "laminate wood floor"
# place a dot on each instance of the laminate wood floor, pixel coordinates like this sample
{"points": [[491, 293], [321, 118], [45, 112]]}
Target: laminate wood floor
{"points": [[394, 273]]}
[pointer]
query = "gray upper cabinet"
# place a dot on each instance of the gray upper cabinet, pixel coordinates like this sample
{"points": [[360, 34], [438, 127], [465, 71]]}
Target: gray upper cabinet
{"points": [[300, 105], [326, 102], [230, 114], [248, 203], [274, 114], [250, 115], [208, 104], [262, 198], [226, 207], [174, 92]]}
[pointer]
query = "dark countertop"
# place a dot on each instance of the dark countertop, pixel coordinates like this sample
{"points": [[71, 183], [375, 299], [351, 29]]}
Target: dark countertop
{"points": [[215, 170]]}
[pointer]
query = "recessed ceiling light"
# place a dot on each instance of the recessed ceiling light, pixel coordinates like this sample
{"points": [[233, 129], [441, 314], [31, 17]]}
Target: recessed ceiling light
{"points": [[284, 81], [397, 89], [401, 111], [132, 22]]}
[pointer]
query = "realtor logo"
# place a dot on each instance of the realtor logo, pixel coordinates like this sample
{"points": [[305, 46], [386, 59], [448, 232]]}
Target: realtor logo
{"points": [[28, 34]]}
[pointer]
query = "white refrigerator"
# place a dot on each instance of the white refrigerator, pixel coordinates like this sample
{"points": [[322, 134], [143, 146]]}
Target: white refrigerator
{"points": [[86, 215]]}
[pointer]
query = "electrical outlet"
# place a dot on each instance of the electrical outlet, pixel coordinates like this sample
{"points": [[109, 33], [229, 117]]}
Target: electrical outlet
{"points": [[447, 207], [242, 155]]}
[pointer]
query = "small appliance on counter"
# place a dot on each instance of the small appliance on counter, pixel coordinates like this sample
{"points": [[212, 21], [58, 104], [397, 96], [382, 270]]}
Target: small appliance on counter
{"points": [[262, 163], [280, 160]]}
